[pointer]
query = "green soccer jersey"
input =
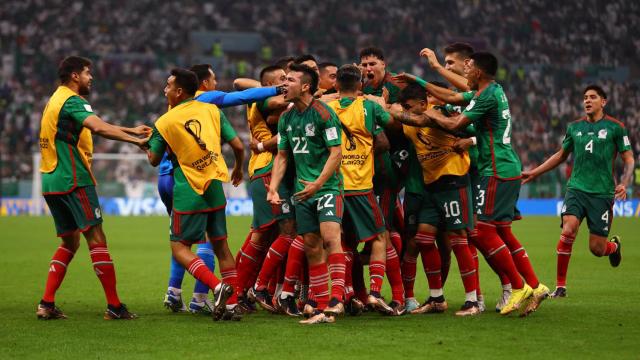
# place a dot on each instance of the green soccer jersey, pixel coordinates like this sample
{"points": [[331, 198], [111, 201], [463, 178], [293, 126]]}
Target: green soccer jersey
{"points": [[414, 182], [308, 135], [185, 199], [490, 115], [387, 82], [70, 170], [595, 146], [469, 131]]}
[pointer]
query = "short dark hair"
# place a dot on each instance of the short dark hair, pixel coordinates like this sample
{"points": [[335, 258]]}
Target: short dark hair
{"points": [[306, 57], [309, 76], [597, 88], [348, 77], [71, 64], [372, 51], [283, 62], [186, 79], [413, 91], [201, 71], [486, 62], [464, 49], [269, 69], [325, 65]]}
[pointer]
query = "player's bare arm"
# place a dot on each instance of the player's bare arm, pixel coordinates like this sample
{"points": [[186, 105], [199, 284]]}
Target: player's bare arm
{"points": [[627, 175], [330, 167], [460, 82], [238, 152], [408, 118], [447, 95], [550, 164], [381, 143], [154, 159], [447, 123], [270, 145], [140, 130], [108, 131], [245, 83], [277, 173]]}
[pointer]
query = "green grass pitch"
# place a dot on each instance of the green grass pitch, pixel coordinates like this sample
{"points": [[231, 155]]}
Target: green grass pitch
{"points": [[599, 319]]}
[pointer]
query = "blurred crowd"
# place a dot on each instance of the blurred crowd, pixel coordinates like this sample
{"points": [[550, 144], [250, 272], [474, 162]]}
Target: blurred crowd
{"points": [[549, 51]]}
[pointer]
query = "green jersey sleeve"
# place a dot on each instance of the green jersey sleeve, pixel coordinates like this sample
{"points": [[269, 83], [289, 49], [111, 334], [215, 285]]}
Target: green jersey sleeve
{"points": [[622, 140], [381, 118], [78, 109], [283, 136], [478, 107], [226, 130], [468, 95], [331, 130], [157, 144], [567, 142]]}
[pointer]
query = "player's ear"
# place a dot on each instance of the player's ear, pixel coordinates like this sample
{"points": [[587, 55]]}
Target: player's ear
{"points": [[604, 102]]}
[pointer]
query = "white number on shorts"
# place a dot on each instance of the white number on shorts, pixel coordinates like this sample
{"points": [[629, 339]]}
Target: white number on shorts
{"points": [[300, 146], [452, 209], [605, 217], [325, 201], [481, 197], [589, 146]]}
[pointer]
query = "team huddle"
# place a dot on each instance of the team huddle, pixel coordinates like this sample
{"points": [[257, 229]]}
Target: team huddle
{"points": [[332, 150]]}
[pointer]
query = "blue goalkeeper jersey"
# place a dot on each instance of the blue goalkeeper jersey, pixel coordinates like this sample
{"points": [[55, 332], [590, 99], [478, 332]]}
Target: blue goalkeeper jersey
{"points": [[223, 99]]}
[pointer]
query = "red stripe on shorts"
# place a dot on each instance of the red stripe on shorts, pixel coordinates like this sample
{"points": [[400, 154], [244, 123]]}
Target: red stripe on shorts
{"points": [[465, 205], [176, 223], [86, 207], [377, 214], [491, 194]]}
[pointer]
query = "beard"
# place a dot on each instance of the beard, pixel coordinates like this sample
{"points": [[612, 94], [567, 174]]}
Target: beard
{"points": [[84, 90]]}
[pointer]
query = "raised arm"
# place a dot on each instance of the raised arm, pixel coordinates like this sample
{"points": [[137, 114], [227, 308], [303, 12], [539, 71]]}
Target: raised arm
{"points": [[446, 95], [223, 99], [245, 83], [460, 82]]}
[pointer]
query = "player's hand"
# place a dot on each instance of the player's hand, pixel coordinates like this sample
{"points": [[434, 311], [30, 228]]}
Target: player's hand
{"points": [[237, 176], [253, 144], [330, 97], [395, 110], [430, 55], [404, 78], [376, 99], [141, 130], [620, 192], [462, 145], [528, 176], [385, 94], [273, 197], [143, 144], [310, 188]]}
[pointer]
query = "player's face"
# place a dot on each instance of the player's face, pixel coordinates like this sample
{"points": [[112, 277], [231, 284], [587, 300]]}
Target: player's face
{"points": [[210, 83], [312, 64], [454, 62], [432, 100], [293, 86], [472, 73], [592, 102], [276, 78], [172, 92], [414, 106], [84, 81], [328, 77], [373, 67]]}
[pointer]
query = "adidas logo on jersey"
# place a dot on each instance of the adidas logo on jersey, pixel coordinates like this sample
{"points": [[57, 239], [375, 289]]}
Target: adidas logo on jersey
{"points": [[329, 213], [457, 222]]}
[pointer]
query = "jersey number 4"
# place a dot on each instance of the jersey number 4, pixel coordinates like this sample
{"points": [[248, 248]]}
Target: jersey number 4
{"points": [[589, 146], [300, 145]]}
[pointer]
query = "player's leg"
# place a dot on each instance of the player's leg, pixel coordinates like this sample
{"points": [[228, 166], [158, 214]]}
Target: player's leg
{"points": [[293, 268], [350, 240], [494, 249], [426, 242], [200, 302], [599, 219], [67, 230], [330, 212], [217, 234], [411, 206], [570, 227]]}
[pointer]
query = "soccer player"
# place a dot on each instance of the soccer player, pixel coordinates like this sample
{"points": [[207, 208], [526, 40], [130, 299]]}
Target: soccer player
{"points": [[69, 187], [206, 93], [500, 172], [310, 131], [328, 75], [268, 221], [191, 132], [595, 140], [446, 203], [362, 120]]}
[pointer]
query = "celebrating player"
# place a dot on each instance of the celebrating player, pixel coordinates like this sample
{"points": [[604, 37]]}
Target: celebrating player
{"points": [[310, 130], [500, 172], [69, 187], [191, 132], [595, 140]]}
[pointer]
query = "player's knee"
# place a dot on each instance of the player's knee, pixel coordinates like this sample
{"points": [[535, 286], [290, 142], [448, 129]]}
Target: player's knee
{"points": [[288, 227], [95, 235]]}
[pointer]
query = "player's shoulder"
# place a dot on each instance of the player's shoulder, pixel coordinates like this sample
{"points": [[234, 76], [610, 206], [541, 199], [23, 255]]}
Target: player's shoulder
{"points": [[322, 109], [613, 121], [577, 122], [77, 103]]}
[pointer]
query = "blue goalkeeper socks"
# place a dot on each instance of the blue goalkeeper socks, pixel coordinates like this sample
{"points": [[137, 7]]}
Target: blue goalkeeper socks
{"points": [[176, 274], [205, 252]]}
